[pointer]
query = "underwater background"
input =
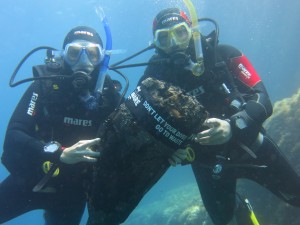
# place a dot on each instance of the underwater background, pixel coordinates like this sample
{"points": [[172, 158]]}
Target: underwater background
{"points": [[266, 31]]}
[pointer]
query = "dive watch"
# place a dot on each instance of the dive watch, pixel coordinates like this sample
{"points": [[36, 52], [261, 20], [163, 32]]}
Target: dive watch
{"points": [[52, 147]]}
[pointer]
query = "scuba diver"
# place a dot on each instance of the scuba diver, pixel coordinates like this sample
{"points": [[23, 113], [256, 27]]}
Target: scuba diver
{"points": [[230, 144], [49, 139], [234, 144]]}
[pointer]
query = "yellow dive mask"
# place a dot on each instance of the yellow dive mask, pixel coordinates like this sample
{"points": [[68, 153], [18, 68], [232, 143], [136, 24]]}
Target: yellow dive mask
{"points": [[175, 37]]}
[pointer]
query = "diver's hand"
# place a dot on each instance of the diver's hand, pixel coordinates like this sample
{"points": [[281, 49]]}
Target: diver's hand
{"points": [[177, 157], [219, 132], [80, 152]]}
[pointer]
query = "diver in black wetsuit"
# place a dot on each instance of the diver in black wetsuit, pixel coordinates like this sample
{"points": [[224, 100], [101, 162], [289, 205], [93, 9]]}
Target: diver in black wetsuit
{"points": [[52, 125], [234, 146], [230, 144]]}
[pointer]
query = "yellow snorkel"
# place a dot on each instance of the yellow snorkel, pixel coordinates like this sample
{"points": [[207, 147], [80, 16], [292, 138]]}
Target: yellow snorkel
{"points": [[198, 67]]}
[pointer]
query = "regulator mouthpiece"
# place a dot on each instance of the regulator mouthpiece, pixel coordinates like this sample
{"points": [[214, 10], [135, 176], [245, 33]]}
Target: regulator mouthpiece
{"points": [[197, 68]]}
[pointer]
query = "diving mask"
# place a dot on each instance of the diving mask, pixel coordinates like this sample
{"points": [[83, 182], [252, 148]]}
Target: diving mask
{"points": [[177, 36], [80, 50]]}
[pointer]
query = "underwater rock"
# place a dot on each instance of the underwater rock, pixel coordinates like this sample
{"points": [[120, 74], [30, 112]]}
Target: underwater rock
{"points": [[180, 206], [283, 126], [193, 215], [136, 142]]}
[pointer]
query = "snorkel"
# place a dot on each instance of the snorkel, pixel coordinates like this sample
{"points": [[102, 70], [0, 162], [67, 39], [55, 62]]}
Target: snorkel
{"points": [[91, 101], [197, 68], [108, 48]]}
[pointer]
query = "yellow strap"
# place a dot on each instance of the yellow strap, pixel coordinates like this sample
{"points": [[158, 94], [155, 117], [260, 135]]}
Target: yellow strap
{"points": [[47, 166], [190, 154], [253, 218]]}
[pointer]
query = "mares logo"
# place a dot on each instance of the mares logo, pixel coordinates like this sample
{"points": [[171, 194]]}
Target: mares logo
{"points": [[77, 122], [197, 91], [174, 18], [84, 33], [244, 71], [31, 108]]}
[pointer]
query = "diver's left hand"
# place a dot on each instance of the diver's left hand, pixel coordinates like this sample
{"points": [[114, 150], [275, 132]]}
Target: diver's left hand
{"points": [[177, 157], [219, 132]]}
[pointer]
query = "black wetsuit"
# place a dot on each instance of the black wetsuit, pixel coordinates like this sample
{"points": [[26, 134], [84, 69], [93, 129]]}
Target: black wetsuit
{"points": [[41, 116], [231, 90]]}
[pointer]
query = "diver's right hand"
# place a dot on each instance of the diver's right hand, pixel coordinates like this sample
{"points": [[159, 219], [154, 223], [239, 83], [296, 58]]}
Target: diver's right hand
{"points": [[80, 152], [219, 132]]}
